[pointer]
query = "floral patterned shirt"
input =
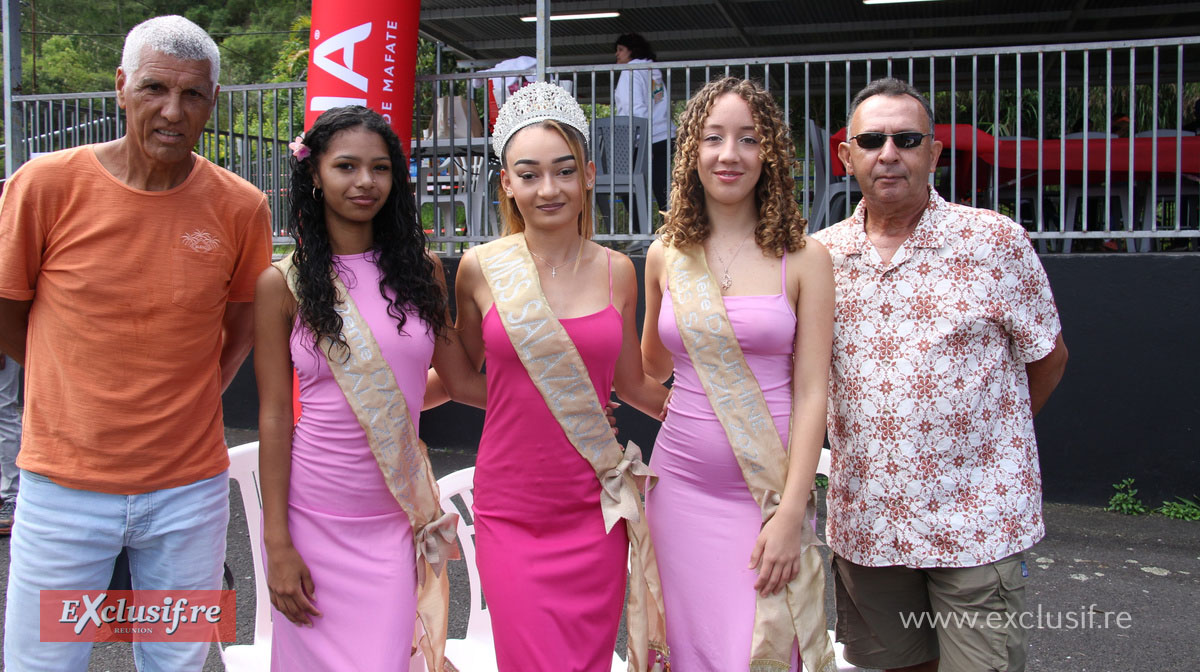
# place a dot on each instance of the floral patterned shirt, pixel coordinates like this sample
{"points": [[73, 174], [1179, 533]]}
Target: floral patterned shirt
{"points": [[934, 460]]}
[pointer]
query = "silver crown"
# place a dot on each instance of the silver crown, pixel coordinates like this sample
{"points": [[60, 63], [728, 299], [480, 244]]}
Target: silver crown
{"points": [[534, 103]]}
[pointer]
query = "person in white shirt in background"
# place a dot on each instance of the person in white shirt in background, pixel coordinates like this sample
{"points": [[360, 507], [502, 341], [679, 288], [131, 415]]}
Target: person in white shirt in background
{"points": [[643, 93], [500, 88]]}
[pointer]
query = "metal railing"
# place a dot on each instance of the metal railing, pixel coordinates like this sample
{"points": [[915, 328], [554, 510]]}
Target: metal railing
{"points": [[1035, 132], [247, 133]]}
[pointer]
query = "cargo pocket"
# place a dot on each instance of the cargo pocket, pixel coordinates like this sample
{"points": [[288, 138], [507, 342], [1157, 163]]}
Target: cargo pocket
{"points": [[1013, 638]]}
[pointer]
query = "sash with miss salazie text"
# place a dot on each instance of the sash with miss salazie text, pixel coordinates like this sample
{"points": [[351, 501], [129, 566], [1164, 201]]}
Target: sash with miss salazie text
{"points": [[560, 375], [371, 389], [798, 611]]}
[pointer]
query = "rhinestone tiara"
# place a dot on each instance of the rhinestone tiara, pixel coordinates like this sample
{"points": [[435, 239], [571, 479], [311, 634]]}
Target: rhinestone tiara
{"points": [[533, 103]]}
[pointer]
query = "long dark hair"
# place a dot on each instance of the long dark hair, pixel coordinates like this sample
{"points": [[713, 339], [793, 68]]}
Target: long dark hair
{"points": [[399, 240]]}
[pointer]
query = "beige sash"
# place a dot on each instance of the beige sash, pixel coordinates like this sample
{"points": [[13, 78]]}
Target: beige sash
{"points": [[560, 375], [374, 395], [798, 612]]}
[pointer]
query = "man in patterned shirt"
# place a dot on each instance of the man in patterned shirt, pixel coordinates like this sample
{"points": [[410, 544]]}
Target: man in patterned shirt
{"points": [[946, 343]]}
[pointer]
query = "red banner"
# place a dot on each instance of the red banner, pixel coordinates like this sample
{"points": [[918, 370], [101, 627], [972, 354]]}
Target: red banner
{"points": [[364, 52]]}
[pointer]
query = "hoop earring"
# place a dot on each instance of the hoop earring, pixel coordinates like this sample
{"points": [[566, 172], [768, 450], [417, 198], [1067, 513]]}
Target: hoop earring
{"points": [[317, 193]]}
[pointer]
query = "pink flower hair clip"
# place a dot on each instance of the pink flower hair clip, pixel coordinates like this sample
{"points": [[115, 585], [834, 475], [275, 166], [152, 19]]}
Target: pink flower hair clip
{"points": [[299, 149]]}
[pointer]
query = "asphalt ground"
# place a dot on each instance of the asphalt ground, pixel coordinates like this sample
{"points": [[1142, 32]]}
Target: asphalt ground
{"points": [[1106, 592]]}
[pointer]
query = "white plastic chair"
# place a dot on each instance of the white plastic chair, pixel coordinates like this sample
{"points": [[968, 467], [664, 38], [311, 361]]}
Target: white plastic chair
{"points": [[458, 183], [243, 468], [828, 188], [1073, 199], [1164, 190], [477, 651], [823, 463], [620, 146]]}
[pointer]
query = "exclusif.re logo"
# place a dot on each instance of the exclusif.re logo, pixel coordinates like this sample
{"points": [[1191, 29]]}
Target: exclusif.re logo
{"points": [[142, 615]]}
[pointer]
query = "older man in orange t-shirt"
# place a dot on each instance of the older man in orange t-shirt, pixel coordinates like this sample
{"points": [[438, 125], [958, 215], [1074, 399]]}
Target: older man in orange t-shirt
{"points": [[127, 269]]}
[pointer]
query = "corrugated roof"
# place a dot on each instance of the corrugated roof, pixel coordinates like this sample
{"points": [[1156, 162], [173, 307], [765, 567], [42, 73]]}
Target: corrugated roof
{"points": [[491, 30]]}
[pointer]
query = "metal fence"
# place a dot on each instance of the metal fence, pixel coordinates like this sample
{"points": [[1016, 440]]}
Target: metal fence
{"points": [[1075, 141], [247, 133], [1089, 146]]}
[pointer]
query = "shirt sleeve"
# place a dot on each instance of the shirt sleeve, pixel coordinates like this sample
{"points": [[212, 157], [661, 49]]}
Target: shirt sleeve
{"points": [[21, 240], [641, 97], [253, 256], [1032, 318], [621, 94]]}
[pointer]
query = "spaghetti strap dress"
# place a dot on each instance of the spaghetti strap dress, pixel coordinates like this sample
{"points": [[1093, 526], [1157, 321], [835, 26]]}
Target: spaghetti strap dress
{"points": [[553, 580], [703, 520], [346, 525]]}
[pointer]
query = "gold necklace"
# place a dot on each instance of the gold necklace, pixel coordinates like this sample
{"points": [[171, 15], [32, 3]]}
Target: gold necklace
{"points": [[726, 281], [553, 268]]}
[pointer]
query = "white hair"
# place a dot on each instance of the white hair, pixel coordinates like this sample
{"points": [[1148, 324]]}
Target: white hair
{"points": [[174, 36]]}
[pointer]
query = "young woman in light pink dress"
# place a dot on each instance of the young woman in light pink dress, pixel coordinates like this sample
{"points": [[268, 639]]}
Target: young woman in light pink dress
{"points": [[340, 560], [732, 194]]}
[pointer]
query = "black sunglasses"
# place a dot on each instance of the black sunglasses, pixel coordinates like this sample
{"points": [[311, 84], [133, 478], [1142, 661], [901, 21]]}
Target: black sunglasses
{"points": [[905, 140]]}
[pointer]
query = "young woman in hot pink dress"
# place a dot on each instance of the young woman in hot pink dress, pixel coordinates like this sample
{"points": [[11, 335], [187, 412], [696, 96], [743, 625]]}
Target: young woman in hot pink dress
{"points": [[341, 565], [554, 580], [732, 194]]}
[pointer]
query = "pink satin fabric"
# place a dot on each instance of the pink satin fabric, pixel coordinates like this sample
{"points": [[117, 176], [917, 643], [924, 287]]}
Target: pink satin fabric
{"points": [[703, 520], [351, 532], [553, 581]]}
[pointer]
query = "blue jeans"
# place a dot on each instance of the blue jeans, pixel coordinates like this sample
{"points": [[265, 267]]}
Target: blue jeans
{"points": [[66, 539], [10, 428]]}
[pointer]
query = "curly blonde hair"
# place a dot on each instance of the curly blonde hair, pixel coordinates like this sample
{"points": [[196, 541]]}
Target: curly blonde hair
{"points": [[780, 227], [511, 217]]}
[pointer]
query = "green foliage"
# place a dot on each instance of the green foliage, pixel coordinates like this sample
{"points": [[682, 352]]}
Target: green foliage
{"points": [[428, 64], [821, 482], [252, 35], [291, 61], [1059, 111], [1181, 509], [1103, 107], [1126, 500], [248, 59], [64, 66]]}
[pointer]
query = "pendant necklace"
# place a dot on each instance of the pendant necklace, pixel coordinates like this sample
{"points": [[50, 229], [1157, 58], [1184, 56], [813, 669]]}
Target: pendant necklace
{"points": [[726, 281], [553, 268]]}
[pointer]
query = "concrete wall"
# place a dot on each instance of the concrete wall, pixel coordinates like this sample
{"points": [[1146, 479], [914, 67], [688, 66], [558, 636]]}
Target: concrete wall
{"points": [[1128, 406]]}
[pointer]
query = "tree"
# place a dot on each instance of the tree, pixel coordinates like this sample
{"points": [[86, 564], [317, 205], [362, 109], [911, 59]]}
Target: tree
{"points": [[64, 67], [75, 45], [291, 61]]}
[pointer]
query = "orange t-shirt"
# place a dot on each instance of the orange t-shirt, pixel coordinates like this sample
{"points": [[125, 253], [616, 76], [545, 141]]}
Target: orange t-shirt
{"points": [[123, 384]]}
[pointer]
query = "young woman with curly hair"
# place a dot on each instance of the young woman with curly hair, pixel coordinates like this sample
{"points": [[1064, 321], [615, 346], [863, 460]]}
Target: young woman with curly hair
{"points": [[733, 198], [330, 521]]}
